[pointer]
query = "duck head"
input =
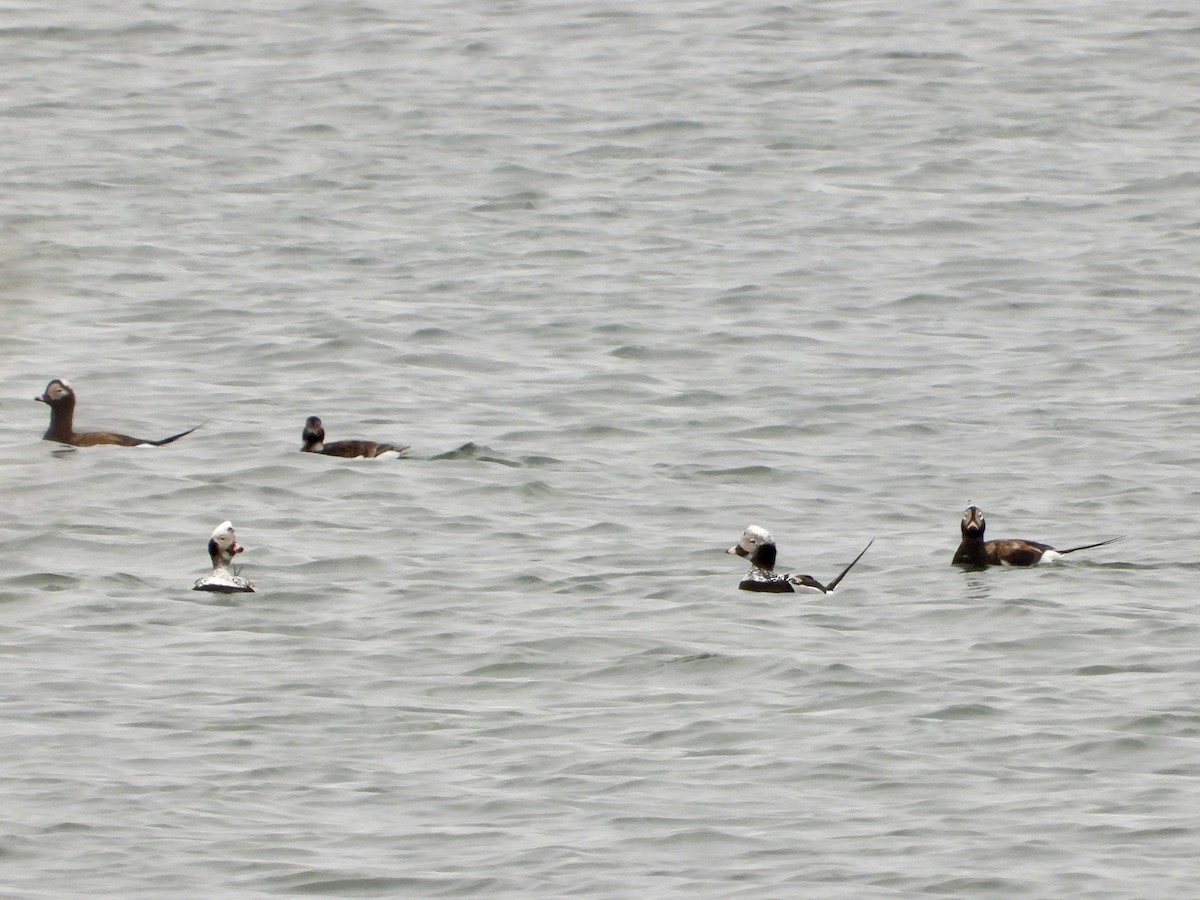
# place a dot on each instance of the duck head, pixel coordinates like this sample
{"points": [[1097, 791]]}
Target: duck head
{"points": [[758, 546], [973, 524], [223, 545], [58, 395], [313, 434]]}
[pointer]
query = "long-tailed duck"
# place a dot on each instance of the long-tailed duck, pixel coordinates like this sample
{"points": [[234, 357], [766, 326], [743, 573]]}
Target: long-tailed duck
{"points": [[222, 548], [314, 442], [60, 397], [758, 545], [975, 551]]}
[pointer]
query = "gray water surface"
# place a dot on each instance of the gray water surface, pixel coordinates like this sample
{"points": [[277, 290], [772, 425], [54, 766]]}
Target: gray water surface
{"points": [[628, 278]]}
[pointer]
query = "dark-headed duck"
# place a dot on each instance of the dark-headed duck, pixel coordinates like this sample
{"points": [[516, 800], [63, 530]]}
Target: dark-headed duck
{"points": [[222, 548], [975, 551], [60, 397], [758, 545], [314, 442]]}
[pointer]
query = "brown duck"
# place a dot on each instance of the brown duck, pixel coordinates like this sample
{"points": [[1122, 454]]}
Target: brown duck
{"points": [[60, 397], [314, 442], [975, 551]]}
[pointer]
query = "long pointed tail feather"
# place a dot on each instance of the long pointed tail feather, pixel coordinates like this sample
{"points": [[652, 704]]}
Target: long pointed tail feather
{"points": [[1090, 546], [835, 581], [174, 437]]}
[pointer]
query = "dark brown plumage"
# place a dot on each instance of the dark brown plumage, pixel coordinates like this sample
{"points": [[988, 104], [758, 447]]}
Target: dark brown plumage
{"points": [[60, 397], [314, 442], [975, 551]]}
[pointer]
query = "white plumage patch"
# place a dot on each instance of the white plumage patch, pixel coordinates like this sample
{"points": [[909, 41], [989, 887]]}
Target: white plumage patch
{"points": [[223, 534]]}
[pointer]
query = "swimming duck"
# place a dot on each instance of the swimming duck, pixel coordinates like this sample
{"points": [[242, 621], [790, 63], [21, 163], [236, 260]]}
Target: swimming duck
{"points": [[60, 397], [222, 548], [975, 551], [758, 545], [314, 442]]}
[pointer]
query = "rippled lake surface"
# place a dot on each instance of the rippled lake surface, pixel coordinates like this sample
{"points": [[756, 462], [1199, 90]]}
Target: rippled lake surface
{"points": [[628, 278]]}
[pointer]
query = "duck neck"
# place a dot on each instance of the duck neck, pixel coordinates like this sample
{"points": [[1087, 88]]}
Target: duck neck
{"points": [[218, 558], [62, 423], [764, 558], [971, 549]]}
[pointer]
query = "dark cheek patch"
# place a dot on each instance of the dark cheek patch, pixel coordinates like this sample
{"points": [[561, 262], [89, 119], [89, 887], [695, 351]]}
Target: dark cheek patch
{"points": [[765, 556]]}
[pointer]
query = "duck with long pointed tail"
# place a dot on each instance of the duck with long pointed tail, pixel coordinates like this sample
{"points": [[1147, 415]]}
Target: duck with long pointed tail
{"points": [[975, 551], [314, 442], [60, 397], [222, 548], [759, 547]]}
